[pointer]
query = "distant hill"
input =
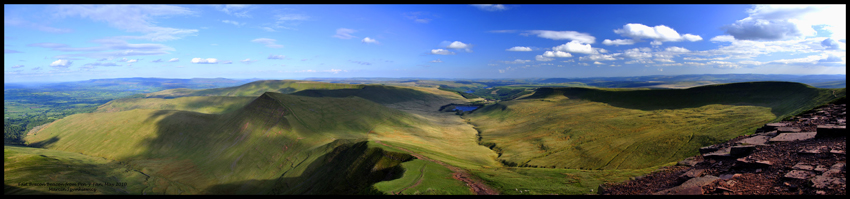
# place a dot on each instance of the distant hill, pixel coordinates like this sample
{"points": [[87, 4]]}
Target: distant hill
{"points": [[256, 88], [627, 129]]}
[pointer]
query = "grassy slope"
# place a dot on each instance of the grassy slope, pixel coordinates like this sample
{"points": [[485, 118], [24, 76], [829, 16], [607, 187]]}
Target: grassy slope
{"points": [[593, 128], [193, 152], [201, 104]]}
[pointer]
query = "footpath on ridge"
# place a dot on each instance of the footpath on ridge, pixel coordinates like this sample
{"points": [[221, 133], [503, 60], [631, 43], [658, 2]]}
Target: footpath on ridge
{"points": [[459, 174], [804, 156]]}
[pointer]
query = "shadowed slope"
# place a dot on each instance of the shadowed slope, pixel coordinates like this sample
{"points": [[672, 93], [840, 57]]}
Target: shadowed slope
{"points": [[252, 89]]}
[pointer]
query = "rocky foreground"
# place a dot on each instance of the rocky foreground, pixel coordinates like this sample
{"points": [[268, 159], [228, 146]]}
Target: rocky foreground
{"points": [[804, 156]]}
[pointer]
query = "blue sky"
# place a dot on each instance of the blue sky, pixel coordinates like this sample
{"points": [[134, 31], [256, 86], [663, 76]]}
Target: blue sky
{"points": [[50, 43]]}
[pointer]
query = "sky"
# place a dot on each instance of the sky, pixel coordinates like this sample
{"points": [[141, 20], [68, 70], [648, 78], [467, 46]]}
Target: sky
{"points": [[55, 43]]}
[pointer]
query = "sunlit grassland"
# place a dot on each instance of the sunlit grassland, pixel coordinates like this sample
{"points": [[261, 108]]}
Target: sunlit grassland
{"points": [[436, 180], [607, 129], [192, 151], [34, 165]]}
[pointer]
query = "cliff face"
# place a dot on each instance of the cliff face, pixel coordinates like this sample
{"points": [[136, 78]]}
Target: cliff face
{"points": [[803, 156]]}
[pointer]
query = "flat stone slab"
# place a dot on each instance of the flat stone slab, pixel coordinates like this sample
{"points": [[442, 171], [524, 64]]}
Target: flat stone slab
{"points": [[693, 173], [721, 153], [799, 174], [691, 161], [690, 187], [821, 182], [708, 149], [773, 126], [801, 166], [753, 163], [756, 140], [788, 137], [788, 129]]}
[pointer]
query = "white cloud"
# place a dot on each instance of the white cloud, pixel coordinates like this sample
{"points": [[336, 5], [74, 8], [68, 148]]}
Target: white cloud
{"points": [[276, 57], [556, 54], [157, 60], [561, 35], [436, 61], [691, 37], [268, 42], [226, 62], [132, 18], [575, 47], [441, 52], [418, 17], [247, 61], [102, 64], [204, 61], [831, 44], [663, 60], [656, 43], [519, 48], [780, 22], [17, 66], [110, 47], [542, 58], [638, 53], [598, 57], [344, 33], [676, 49], [132, 61], [618, 42], [173, 60], [659, 33], [61, 63], [457, 45], [598, 63], [16, 21], [723, 38], [490, 7], [369, 40]]}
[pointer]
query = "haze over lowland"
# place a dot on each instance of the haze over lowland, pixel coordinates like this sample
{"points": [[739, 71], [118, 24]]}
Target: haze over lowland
{"points": [[53, 43]]}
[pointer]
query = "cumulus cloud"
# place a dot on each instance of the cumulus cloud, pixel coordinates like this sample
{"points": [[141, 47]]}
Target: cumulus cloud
{"points": [[204, 61], [598, 63], [556, 54], [276, 56], [660, 33], [247, 61], [723, 38], [575, 47], [831, 44], [562, 35], [458, 45], [490, 7], [656, 43], [618, 42], [780, 22], [268, 42], [132, 61], [61, 63], [691, 37], [598, 57], [638, 53], [519, 48], [344, 33], [676, 49], [441, 52], [369, 40], [173, 60], [542, 58]]}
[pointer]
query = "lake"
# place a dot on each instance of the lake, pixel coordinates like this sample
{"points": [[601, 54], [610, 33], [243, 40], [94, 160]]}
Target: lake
{"points": [[465, 108]]}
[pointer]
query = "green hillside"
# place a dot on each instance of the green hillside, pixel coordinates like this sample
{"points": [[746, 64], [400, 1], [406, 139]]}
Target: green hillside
{"points": [[201, 104], [274, 139], [586, 128]]}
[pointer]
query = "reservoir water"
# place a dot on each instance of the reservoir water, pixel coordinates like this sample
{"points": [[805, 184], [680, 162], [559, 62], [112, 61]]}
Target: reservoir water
{"points": [[465, 108]]}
